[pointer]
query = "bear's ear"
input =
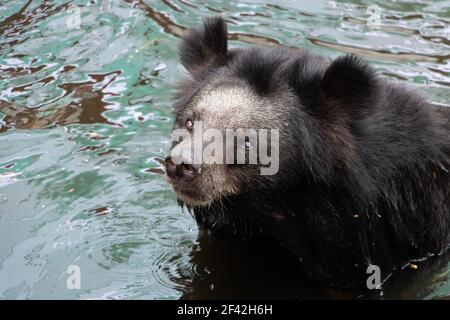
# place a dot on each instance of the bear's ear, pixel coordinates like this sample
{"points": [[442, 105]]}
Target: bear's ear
{"points": [[349, 81], [200, 46]]}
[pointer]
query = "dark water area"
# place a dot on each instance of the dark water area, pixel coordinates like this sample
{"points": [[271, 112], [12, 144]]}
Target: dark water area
{"points": [[86, 116]]}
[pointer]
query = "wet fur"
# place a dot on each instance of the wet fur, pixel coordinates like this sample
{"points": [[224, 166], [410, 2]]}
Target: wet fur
{"points": [[363, 164]]}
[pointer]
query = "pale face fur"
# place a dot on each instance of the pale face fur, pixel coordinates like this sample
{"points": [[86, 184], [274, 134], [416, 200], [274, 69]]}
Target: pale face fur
{"points": [[227, 106]]}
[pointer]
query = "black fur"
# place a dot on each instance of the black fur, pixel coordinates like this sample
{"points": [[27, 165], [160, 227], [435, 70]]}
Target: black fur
{"points": [[345, 75], [200, 46], [364, 176]]}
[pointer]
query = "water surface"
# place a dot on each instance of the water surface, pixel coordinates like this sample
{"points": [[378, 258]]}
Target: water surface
{"points": [[85, 114]]}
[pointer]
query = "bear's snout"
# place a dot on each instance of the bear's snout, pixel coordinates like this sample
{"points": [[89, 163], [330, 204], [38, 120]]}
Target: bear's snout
{"points": [[183, 171]]}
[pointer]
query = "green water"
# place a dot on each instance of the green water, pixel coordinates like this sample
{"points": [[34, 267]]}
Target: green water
{"points": [[85, 114]]}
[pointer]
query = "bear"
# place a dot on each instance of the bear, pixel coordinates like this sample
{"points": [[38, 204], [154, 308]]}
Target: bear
{"points": [[362, 176]]}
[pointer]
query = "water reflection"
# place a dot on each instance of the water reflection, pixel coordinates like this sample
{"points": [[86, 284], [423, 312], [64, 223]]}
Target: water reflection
{"points": [[85, 119], [87, 106], [259, 269]]}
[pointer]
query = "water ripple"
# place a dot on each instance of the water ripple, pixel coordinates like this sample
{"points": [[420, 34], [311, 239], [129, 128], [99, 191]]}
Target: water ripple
{"points": [[85, 121]]}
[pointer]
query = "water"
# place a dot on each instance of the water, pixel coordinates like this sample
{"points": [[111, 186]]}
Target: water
{"points": [[85, 114]]}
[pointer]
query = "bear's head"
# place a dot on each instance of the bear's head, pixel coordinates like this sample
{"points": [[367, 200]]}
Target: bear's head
{"points": [[273, 107]]}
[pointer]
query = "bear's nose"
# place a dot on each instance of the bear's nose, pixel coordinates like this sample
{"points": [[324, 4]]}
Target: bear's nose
{"points": [[183, 171]]}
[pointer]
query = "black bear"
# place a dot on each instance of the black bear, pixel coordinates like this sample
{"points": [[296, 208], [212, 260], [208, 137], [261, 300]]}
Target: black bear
{"points": [[362, 174]]}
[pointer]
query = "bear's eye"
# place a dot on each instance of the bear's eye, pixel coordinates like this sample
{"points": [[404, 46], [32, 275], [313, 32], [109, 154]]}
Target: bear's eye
{"points": [[189, 124], [247, 145]]}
